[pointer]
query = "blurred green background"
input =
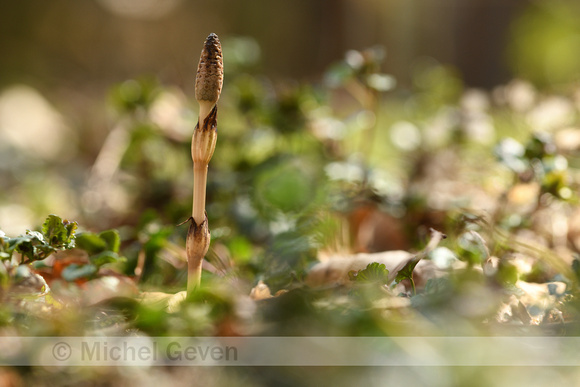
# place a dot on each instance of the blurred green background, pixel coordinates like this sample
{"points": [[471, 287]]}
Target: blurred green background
{"points": [[61, 59], [344, 126], [331, 112]]}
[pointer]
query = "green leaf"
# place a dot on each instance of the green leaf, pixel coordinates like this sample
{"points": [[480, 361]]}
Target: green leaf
{"points": [[36, 235], [32, 246], [539, 146], [507, 273], [576, 268], [73, 272], [4, 275], [373, 273], [407, 271], [97, 243], [58, 233], [22, 244], [91, 243], [555, 182], [103, 258], [112, 239], [102, 248]]}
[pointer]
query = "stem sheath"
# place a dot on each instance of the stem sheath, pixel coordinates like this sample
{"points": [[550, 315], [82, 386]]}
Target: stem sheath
{"points": [[197, 244]]}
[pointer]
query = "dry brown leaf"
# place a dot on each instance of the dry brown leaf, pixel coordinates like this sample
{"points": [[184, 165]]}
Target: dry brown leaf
{"points": [[260, 292], [335, 270], [531, 306], [541, 295]]}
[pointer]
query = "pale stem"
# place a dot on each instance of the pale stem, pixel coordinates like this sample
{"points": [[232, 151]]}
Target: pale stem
{"points": [[193, 274], [199, 184]]}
